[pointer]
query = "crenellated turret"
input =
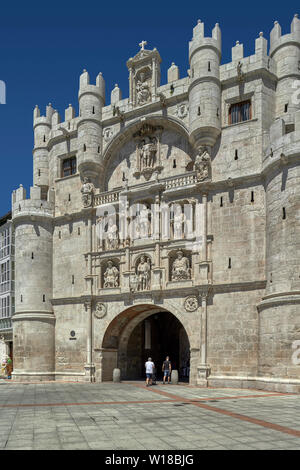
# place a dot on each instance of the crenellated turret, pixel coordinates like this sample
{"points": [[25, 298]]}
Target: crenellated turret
{"points": [[205, 87], [91, 101], [34, 320], [42, 128], [285, 50]]}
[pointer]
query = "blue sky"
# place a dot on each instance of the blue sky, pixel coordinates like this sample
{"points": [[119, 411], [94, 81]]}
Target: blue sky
{"points": [[45, 45]]}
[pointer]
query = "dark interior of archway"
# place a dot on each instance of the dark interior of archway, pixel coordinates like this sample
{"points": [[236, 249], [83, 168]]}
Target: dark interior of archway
{"points": [[165, 336]]}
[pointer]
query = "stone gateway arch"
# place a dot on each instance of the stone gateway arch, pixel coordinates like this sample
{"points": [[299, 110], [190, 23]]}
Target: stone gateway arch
{"points": [[167, 222]]}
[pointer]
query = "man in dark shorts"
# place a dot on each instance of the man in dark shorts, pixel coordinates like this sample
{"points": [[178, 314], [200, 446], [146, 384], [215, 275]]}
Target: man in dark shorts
{"points": [[166, 369]]}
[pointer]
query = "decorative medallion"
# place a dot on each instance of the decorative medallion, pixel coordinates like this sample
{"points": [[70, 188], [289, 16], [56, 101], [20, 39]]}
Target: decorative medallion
{"points": [[182, 110], [107, 134], [191, 303], [101, 310]]}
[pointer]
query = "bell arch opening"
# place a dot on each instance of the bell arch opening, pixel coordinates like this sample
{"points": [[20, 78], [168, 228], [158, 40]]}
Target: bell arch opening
{"points": [[141, 332]]}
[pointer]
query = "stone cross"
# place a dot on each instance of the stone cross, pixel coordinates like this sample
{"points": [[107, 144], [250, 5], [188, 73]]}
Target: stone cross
{"points": [[142, 44]]}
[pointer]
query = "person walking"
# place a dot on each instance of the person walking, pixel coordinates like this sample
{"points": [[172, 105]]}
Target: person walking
{"points": [[149, 366], [167, 369]]}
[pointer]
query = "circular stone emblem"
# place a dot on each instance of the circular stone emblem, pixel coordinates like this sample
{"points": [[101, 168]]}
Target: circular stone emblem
{"points": [[100, 310], [191, 303]]}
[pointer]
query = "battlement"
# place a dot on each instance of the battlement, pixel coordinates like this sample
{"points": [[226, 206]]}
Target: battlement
{"points": [[44, 119], [86, 88], [277, 40], [92, 96], [199, 40], [35, 206]]}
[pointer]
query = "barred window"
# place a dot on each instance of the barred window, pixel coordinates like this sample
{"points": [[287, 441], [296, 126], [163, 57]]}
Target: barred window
{"points": [[4, 243], [68, 167], [240, 112], [4, 277], [5, 307]]}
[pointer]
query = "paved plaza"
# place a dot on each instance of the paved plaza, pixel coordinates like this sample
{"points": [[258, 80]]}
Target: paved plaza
{"points": [[132, 417]]}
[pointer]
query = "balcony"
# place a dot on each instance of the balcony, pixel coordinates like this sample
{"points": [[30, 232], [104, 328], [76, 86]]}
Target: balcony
{"points": [[5, 324]]}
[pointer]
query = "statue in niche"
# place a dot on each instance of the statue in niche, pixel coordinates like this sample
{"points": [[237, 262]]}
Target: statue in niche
{"points": [[87, 192], [202, 164], [112, 235], [143, 274], [143, 224], [181, 268], [142, 89], [179, 219], [111, 276], [148, 151]]}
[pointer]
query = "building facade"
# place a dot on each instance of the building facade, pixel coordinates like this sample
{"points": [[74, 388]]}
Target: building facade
{"points": [[7, 295], [167, 223]]}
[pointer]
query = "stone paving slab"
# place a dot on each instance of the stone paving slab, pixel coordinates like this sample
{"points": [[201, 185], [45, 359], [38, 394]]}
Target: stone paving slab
{"points": [[130, 416]]}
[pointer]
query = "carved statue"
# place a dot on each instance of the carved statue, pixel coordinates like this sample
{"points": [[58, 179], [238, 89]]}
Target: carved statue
{"points": [[181, 268], [111, 276], [240, 73], [179, 219], [87, 192], [143, 274], [143, 224], [148, 153], [112, 235], [202, 164], [142, 90]]}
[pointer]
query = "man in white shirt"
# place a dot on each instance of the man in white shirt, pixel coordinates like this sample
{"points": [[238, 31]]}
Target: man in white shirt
{"points": [[149, 365]]}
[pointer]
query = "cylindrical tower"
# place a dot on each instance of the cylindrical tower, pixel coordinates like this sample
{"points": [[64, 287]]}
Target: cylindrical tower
{"points": [[279, 320], [285, 51], [205, 86], [42, 128], [91, 100], [33, 321]]}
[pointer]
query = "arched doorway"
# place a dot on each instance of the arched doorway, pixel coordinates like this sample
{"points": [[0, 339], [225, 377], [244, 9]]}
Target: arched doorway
{"points": [[141, 332]]}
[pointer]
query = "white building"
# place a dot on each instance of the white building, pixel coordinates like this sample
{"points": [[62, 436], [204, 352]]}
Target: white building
{"points": [[7, 300]]}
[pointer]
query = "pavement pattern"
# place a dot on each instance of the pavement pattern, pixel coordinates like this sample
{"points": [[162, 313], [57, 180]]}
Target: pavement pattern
{"points": [[130, 416]]}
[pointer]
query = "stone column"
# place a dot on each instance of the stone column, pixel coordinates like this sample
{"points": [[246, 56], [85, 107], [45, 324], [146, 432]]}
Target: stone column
{"points": [[203, 368], [130, 87], [204, 244], [89, 366], [153, 80]]}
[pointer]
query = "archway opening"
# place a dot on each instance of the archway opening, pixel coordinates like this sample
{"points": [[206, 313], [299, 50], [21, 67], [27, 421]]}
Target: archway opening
{"points": [[159, 335]]}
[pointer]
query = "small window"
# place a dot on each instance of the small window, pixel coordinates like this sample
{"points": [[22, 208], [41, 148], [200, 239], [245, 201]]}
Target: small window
{"points": [[240, 112], [283, 213], [236, 154], [68, 167], [229, 263], [221, 201], [286, 107], [209, 70], [174, 163], [252, 196], [199, 111]]}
